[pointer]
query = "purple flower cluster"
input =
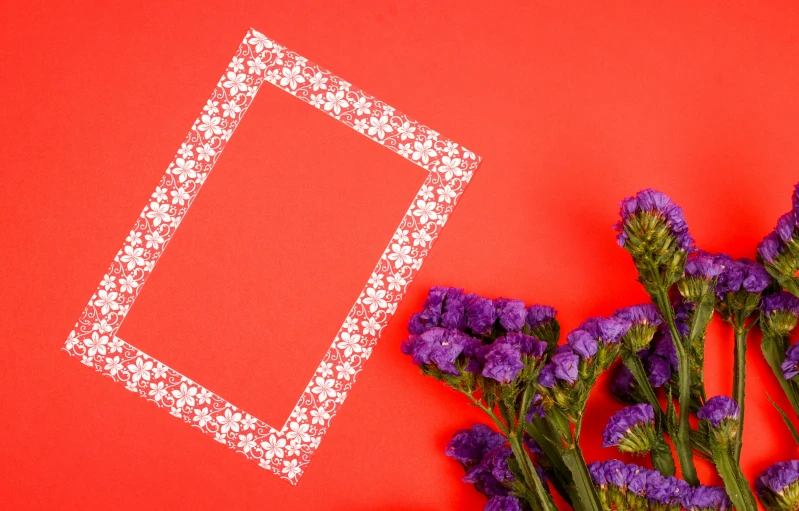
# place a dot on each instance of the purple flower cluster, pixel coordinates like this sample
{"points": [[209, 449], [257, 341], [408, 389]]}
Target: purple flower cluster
{"points": [[484, 455], [450, 332], [741, 274], [626, 421], [655, 202], [778, 479], [781, 302], [775, 242], [719, 409], [643, 314], [468, 446], [500, 503], [790, 366], [631, 483], [703, 265]]}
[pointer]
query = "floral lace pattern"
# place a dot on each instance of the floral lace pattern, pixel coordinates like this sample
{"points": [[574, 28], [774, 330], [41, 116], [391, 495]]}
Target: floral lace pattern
{"points": [[285, 451]]}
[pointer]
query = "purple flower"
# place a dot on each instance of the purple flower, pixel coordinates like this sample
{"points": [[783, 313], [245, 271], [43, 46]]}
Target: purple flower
{"points": [[795, 198], [790, 367], [607, 330], [664, 347], [782, 301], [566, 366], [503, 362], [532, 445], [546, 378], [536, 407], [528, 345], [496, 460], [785, 226], [656, 203], [645, 313], [440, 347], [623, 384], [636, 479], [415, 325], [703, 265], [706, 497], [597, 472], [620, 424], [507, 503], [658, 488], [468, 446], [583, 343], [615, 473], [480, 314], [741, 274], [511, 313], [658, 370], [770, 247], [777, 477], [454, 311], [718, 409], [537, 315]]}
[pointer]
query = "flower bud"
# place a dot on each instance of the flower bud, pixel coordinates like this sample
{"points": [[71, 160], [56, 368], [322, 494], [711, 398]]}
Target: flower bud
{"points": [[721, 413], [778, 486], [780, 313], [632, 429]]}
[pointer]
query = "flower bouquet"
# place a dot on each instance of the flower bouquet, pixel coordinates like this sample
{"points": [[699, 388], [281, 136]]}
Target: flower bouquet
{"points": [[506, 358]]}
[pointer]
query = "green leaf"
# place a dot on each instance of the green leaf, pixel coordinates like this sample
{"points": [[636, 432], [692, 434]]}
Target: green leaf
{"points": [[774, 354], [662, 459], [586, 492], [785, 418]]}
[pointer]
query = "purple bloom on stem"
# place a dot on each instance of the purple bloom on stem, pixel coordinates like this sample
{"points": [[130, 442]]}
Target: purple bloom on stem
{"points": [[770, 247], [664, 347], [777, 477], [636, 479], [608, 330], [621, 422], [655, 202], [468, 446], [790, 367], [615, 473], [566, 366], [480, 314], [546, 378], [757, 278], [527, 344], [597, 472], [707, 497], [622, 384], [583, 343], [536, 407], [718, 409], [658, 370], [503, 362], [511, 313], [781, 301], [415, 324], [639, 314], [703, 265], [506, 503], [785, 226], [537, 315]]}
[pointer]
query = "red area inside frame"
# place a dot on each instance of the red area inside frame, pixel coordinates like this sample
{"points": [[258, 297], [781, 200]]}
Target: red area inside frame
{"points": [[270, 258]]}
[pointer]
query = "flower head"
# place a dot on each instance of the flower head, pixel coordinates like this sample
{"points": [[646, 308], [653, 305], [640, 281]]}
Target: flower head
{"points": [[644, 321], [500, 503], [790, 366], [719, 409], [503, 362], [441, 348], [543, 325], [778, 486], [481, 314], [641, 213], [780, 313], [468, 446], [706, 498], [631, 429], [566, 364], [511, 313]]}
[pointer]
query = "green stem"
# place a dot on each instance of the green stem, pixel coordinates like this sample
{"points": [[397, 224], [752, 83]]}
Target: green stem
{"points": [[774, 353], [588, 499], [561, 477], [734, 481], [739, 384], [543, 500], [682, 442]]}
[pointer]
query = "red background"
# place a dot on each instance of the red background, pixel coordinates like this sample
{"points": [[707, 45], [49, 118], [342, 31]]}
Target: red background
{"points": [[571, 108]]}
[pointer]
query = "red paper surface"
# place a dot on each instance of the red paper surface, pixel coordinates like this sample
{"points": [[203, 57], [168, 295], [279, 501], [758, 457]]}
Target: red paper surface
{"points": [[571, 109]]}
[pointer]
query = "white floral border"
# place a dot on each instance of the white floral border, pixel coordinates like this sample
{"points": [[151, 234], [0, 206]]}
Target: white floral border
{"points": [[285, 452]]}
